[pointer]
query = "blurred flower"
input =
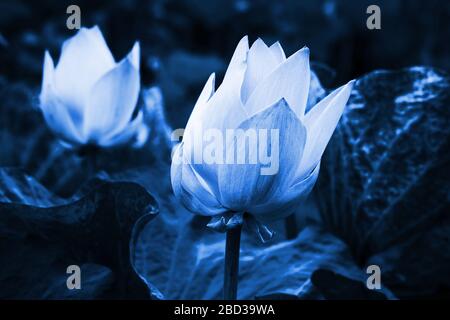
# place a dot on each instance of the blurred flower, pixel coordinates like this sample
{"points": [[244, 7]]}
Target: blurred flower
{"points": [[261, 90], [89, 98]]}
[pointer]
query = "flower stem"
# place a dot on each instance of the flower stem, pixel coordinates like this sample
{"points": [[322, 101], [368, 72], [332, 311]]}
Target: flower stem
{"points": [[92, 164], [230, 281], [290, 224], [90, 154]]}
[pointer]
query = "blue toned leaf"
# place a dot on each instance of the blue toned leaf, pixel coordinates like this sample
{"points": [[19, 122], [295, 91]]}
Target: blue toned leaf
{"points": [[184, 260], [286, 268], [384, 185], [43, 234]]}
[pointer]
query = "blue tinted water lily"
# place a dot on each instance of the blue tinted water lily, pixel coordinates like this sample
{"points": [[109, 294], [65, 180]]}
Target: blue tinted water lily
{"points": [[261, 90], [88, 98]]}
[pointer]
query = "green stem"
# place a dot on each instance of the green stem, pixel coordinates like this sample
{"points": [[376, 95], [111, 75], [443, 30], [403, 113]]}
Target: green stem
{"points": [[230, 280]]}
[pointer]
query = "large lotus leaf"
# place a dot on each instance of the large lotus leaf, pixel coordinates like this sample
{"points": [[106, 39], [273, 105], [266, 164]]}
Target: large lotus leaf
{"points": [[181, 259], [385, 176], [418, 266], [42, 234]]}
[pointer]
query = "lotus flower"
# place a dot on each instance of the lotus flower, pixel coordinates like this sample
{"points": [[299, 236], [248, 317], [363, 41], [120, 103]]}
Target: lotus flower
{"points": [[89, 98], [262, 89]]}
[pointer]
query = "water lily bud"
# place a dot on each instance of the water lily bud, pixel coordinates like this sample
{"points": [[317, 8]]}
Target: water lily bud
{"points": [[249, 146], [88, 98]]}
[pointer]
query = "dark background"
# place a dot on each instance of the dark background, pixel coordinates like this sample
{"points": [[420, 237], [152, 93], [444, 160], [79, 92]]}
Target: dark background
{"points": [[184, 41]]}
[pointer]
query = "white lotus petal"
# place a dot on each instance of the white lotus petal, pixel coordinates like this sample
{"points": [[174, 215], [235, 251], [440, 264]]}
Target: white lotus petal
{"points": [[130, 131], [290, 81], [222, 111], [57, 117], [242, 186], [84, 59], [260, 63], [195, 127], [320, 123], [47, 75], [135, 55], [278, 52], [320, 106], [200, 108], [238, 60], [112, 101], [228, 110], [191, 189], [287, 200]]}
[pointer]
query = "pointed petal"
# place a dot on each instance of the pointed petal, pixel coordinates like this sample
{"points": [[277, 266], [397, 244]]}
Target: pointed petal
{"points": [[112, 101], [278, 52], [260, 63], [191, 189], [238, 60], [194, 128], [228, 109], [200, 108], [208, 90], [222, 111], [48, 74], [320, 123], [318, 109], [243, 186], [290, 81], [135, 55], [84, 59]]}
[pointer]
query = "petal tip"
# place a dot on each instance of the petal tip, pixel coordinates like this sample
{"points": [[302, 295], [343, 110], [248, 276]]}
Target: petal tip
{"points": [[92, 30], [135, 55], [276, 43], [244, 40], [47, 75], [349, 86], [48, 61], [212, 78], [305, 50], [259, 42]]}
